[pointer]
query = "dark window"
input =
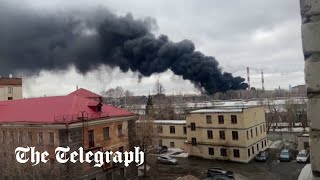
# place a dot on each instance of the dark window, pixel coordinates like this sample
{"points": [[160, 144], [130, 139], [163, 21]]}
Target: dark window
{"points": [[172, 130], [210, 134], [209, 119], [211, 151], [247, 135], [193, 126], [194, 141], [160, 130], [249, 152], [10, 98], [260, 129], [106, 134], [91, 138], [171, 144], [40, 138], [262, 144], [252, 149], [51, 138], [251, 133], [99, 108], [223, 152], [222, 135], [221, 119], [160, 142], [256, 131], [235, 135], [29, 137], [265, 142], [120, 130], [234, 119], [257, 147], [236, 153], [10, 90], [184, 130]]}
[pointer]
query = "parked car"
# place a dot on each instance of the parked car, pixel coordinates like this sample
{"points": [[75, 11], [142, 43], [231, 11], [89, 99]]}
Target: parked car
{"points": [[167, 160], [303, 156], [219, 172], [262, 156], [285, 155], [159, 149]]}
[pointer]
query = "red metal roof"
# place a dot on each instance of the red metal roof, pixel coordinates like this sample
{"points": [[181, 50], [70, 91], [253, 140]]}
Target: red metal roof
{"points": [[85, 93], [57, 109]]}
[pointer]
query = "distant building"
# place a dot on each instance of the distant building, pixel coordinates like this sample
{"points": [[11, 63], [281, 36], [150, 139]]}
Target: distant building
{"points": [[300, 89], [73, 120], [10, 88], [226, 134], [172, 133]]}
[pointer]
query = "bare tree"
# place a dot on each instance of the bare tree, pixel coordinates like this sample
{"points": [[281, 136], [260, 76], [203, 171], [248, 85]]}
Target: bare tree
{"points": [[158, 88]]}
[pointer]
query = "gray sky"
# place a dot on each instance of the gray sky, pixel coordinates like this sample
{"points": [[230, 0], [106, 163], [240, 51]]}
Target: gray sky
{"points": [[264, 35]]}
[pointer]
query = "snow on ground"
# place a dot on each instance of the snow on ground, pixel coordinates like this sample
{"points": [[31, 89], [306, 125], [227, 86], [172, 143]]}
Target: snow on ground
{"points": [[176, 152], [295, 129], [276, 144]]}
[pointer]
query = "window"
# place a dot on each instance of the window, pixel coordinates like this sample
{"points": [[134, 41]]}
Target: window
{"points": [[160, 142], [106, 134], [234, 119], [193, 126], [209, 119], [235, 135], [172, 129], [260, 129], [252, 149], [10, 98], [20, 135], [194, 141], [236, 153], [262, 144], [264, 128], [99, 108], [210, 134], [10, 90], [40, 138], [120, 130], [171, 144], [265, 142], [223, 152], [184, 130], [247, 135], [51, 138], [221, 119], [251, 133], [160, 130], [258, 147], [249, 152], [91, 138], [211, 151], [11, 136], [256, 131], [222, 135], [29, 137], [3, 136]]}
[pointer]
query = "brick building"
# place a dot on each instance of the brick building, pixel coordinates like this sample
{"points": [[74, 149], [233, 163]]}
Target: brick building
{"points": [[76, 120]]}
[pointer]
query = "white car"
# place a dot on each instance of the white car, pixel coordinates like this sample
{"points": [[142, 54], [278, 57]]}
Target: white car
{"points": [[167, 160], [303, 156]]}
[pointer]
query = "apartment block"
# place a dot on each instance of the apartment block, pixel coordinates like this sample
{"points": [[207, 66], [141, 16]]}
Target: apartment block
{"points": [[10, 88], [226, 134], [172, 133]]}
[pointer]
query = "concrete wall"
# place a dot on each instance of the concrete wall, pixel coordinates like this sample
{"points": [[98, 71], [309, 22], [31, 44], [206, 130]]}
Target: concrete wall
{"points": [[16, 92], [310, 14], [178, 138]]}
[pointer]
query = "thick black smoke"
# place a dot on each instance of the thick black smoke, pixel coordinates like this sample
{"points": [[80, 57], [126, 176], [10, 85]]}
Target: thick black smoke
{"points": [[31, 41]]}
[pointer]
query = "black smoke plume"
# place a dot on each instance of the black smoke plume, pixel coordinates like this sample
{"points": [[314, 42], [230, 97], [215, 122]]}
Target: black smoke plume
{"points": [[32, 41]]}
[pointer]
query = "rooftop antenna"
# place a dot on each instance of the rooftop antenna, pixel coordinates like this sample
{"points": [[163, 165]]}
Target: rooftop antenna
{"points": [[248, 78]]}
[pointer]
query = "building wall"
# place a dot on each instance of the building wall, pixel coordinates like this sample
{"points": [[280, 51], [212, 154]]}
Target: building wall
{"points": [[249, 120], [310, 30], [16, 92], [303, 143], [167, 138]]}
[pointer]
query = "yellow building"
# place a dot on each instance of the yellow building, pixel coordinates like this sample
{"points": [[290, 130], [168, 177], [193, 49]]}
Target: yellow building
{"points": [[226, 134], [172, 133], [10, 88]]}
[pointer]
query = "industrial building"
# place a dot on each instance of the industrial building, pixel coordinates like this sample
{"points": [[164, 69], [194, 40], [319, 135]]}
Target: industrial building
{"points": [[10, 88], [226, 134], [73, 120]]}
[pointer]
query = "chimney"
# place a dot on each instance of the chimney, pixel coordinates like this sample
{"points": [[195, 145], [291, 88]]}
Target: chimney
{"points": [[262, 80], [248, 78]]}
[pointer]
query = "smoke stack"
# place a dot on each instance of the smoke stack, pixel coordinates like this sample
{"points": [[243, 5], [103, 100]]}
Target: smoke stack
{"points": [[248, 78], [262, 80]]}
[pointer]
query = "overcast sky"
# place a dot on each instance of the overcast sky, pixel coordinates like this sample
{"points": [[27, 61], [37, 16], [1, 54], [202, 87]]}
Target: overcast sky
{"points": [[264, 35]]}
